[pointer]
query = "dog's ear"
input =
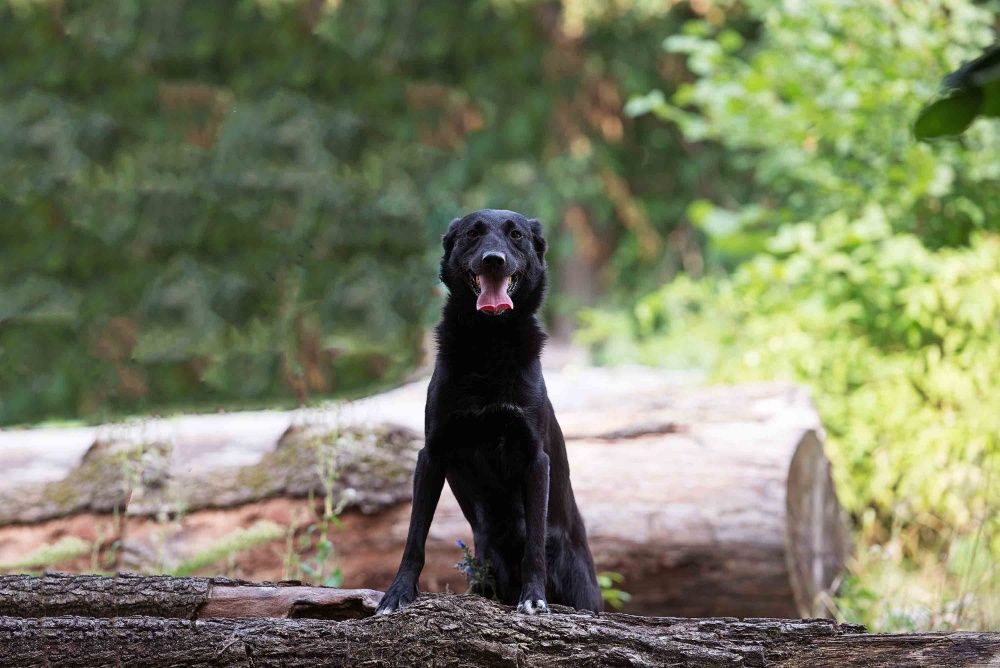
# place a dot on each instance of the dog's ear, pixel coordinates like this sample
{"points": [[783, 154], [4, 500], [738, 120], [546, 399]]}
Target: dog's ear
{"points": [[537, 239], [448, 240]]}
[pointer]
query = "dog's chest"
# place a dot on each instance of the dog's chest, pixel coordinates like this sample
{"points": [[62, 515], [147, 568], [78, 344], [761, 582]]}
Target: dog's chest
{"points": [[496, 459], [490, 439], [488, 398]]}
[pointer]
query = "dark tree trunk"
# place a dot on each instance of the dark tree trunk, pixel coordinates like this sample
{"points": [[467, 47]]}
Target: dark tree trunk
{"points": [[220, 622]]}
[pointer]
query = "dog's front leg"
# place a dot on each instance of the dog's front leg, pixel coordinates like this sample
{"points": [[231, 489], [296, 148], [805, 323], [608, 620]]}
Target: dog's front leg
{"points": [[536, 504], [428, 479]]}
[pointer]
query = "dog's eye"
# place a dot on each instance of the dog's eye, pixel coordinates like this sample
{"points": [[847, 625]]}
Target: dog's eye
{"points": [[515, 234], [473, 233]]}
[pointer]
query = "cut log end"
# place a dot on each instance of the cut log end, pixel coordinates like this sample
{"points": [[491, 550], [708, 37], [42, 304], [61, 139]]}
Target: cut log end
{"points": [[816, 542]]}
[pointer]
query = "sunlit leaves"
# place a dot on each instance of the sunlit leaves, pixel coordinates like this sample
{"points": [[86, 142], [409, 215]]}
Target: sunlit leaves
{"points": [[970, 91], [880, 284], [949, 115]]}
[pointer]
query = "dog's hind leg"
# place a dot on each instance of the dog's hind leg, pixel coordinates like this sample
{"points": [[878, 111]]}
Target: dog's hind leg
{"points": [[573, 580], [494, 579], [501, 553]]}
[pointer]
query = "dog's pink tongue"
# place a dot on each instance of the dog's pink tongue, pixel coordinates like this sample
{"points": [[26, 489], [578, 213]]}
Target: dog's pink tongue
{"points": [[494, 297]]}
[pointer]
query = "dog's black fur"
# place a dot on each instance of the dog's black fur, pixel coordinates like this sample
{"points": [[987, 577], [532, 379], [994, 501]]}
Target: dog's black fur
{"points": [[492, 433]]}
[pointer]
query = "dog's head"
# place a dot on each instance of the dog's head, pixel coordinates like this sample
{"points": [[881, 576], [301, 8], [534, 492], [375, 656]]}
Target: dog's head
{"points": [[494, 262]]}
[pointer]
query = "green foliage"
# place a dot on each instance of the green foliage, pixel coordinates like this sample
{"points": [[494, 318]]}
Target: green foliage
{"points": [[321, 567], [49, 554], [952, 114], [478, 574], [901, 346], [610, 593], [241, 201], [878, 285], [311, 555], [818, 112], [971, 91], [230, 545]]}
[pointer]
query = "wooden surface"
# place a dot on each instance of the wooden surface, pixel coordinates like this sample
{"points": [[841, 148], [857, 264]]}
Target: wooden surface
{"points": [[446, 630], [709, 500], [127, 594]]}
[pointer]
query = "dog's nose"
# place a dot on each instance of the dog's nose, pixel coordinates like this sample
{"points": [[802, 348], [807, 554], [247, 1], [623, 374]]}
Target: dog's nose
{"points": [[494, 259]]}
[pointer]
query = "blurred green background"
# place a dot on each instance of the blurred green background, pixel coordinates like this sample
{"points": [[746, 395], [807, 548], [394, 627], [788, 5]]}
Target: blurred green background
{"points": [[239, 203]]}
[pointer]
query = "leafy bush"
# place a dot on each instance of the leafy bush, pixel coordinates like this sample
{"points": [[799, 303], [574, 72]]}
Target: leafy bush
{"points": [[971, 91], [878, 284], [207, 203], [901, 346], [819, 111]]}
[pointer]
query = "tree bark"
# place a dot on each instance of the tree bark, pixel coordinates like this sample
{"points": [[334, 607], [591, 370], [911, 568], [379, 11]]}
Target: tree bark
{"points": [[126, 594], [708, 501], [148, 478], [446, 630]]}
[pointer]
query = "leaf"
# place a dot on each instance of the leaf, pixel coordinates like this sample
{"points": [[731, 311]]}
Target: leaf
{"points": [[643, 104], [949, 115], [981, 70], [38, 299], [991, 100]]}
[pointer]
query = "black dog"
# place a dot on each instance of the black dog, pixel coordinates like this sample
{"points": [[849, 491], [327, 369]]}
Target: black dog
{"points": [[491, 430]]}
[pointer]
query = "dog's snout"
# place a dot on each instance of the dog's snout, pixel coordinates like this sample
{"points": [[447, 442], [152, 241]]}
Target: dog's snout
{"points": [[494, 259]]}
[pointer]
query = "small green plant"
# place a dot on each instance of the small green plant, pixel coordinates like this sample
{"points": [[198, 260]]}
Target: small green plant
{"points": [[105, 549], [64, 549], [227, 547], [478, 574], [320, 568], [614, 597]]}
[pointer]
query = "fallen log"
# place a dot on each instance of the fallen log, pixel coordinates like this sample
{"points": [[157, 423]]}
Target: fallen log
{"points": [[450, 630], [707, 500], [127, 594]]}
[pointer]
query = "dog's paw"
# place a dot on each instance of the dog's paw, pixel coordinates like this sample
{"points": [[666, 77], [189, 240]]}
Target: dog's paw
{"points": [[533, 606], [397, 596]]}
